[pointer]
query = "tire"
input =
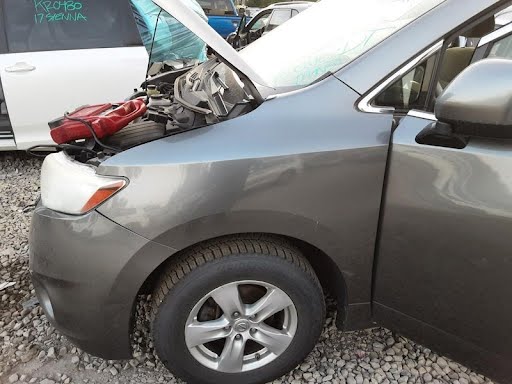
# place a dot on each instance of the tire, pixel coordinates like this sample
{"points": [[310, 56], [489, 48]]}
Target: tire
{"points": [[192, 286]]}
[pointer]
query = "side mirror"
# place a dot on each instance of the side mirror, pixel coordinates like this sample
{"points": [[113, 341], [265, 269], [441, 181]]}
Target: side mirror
{"points": [[478, 102]]}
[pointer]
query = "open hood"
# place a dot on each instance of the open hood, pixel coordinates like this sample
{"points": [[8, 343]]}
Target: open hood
{"points": [[225, 52]]}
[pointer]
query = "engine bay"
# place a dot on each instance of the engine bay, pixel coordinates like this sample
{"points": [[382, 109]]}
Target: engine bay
{"points": [[170, 102]]}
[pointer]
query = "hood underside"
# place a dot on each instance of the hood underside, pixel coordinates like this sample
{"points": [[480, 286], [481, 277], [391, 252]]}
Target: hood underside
{"points": [[225, 52]]}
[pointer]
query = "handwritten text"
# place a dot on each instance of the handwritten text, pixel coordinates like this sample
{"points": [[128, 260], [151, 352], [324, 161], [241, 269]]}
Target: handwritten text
{"points": [[54, 11]]}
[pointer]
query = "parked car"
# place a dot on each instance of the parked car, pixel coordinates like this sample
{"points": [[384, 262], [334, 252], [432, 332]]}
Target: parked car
{"points": [[266, 20], [371, 161], [252, 11], [54, 55], [222, 15]]}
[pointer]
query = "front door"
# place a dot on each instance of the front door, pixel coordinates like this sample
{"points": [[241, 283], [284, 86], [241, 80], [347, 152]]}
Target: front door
{"points": [[444, 258], [6, 136], [256, 27]]}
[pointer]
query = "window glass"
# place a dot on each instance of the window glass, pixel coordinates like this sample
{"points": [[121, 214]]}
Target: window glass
{"points": [[164, 36], [3, 40], [461, 51], [408, 92], [279, 16], [293, 56], [217, 7], [502, 48], [35, 25], [261, 22], [411, 91]]}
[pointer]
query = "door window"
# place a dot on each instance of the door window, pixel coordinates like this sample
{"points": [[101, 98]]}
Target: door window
{"points": [[60, 25], [411, 90], [260, 23], [502, 48], [279, 16]]}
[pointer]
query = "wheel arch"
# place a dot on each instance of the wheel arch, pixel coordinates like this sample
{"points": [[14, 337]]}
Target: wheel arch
{"points": [[327, 271]]}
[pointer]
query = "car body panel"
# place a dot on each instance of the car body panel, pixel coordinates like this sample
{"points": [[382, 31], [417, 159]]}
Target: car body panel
{"points": [[217, 181], [196, 24], [101, 280], [445, 232], [224, 25], [222, 16], [52, 88]]}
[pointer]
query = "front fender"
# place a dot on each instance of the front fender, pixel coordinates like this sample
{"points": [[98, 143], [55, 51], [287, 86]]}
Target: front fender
{"points": [[272, 171]]}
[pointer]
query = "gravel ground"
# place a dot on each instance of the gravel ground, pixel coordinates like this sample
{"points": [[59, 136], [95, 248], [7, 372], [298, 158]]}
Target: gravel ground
{"points": [[32, 352]]}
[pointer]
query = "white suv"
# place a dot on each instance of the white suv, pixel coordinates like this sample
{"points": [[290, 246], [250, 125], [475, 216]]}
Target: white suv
{"points": [[56, 55]]}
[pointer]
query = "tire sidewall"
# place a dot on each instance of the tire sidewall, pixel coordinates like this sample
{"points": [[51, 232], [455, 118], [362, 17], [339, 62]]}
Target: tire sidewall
{"points": [[169, 324]]}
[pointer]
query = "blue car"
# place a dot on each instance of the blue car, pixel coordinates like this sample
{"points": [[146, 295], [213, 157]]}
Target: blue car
{"points": [[222, 15]]}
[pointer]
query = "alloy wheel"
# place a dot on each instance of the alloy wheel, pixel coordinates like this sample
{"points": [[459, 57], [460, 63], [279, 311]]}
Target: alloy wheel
{"points": [[241, 326]]}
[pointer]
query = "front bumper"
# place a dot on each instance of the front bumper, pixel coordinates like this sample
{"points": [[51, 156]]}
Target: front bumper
{"points": [[87, 271]]}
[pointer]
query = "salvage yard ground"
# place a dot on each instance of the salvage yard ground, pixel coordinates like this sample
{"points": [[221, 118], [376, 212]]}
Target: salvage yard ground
{"points": [[32, 352]]}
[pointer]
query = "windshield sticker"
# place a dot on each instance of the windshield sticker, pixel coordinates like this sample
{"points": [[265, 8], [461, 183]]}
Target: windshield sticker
{"points": [[54, 11]]}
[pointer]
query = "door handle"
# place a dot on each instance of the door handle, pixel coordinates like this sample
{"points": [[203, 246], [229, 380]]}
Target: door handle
{"points": [[20, 67]]}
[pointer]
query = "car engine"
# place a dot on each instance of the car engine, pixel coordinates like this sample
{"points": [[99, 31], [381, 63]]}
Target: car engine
{"points": [[169, 103]]}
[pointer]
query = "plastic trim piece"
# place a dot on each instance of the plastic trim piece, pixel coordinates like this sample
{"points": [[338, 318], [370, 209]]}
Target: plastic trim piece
{"points": [[365, 104], [422, 114], [493, 36]]}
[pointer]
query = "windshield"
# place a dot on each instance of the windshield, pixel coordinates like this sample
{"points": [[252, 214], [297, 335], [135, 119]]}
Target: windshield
{"points": [[172, 40], [328, 36]]}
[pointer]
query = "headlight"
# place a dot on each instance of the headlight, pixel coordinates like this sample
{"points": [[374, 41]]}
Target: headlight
{"points": [[74, 188]]}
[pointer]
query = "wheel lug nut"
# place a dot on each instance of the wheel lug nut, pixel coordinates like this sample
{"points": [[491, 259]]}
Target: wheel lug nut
{"points": [[227, 328], [236, 314], [253, 331], [238, 337]]}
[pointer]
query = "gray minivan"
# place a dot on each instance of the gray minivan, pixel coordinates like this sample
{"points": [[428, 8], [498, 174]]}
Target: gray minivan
{"points": [[373, 164]]}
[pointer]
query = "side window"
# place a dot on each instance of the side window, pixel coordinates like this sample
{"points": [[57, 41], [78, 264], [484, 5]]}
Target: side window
{"points": [[502, 48], [61, 25], [260, 23], [217, 7], [279, 16], [413, 90], [410, 91]]}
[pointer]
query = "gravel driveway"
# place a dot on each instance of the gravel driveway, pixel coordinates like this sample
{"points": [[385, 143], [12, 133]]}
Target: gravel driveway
{"points": [[32, 352]]}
